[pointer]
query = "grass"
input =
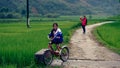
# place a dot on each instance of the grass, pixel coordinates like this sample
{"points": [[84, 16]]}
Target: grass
{"points": [[73, 18], [108, 34], [19, 44]]}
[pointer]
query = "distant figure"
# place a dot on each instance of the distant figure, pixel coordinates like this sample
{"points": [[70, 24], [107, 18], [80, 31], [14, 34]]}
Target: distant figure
{"points": [[83, 23]]}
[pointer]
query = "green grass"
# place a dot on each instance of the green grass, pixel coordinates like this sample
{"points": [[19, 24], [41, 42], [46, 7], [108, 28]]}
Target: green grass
{"points": [[108, 34], [19, 44], [72, 18], [115, 18]]}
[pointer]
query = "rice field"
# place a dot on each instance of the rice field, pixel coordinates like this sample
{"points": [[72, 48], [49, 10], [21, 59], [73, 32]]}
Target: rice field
{"points": [[109, 34], [18, 44]]}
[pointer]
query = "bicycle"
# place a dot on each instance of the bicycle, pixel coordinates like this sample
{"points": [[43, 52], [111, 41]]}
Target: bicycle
{"points": [[47, 55], [63, 53]]}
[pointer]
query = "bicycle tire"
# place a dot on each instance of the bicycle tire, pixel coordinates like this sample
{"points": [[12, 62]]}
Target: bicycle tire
{"points": [[64, 56]]}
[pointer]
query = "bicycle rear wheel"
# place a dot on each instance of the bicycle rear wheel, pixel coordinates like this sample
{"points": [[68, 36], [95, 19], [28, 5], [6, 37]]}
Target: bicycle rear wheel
{"points": [[64, 54], [48, 57]]}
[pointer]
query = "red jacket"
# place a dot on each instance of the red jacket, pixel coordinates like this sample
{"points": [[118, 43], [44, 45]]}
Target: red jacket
{"points": [[84, 21]]}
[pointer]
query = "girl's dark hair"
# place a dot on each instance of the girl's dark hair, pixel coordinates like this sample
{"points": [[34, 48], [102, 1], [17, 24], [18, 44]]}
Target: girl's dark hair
{"points": [[55, 24]]}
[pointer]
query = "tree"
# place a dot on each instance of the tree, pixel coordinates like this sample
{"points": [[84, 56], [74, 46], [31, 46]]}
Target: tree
{"points": [[23, 12], [5, 10]]}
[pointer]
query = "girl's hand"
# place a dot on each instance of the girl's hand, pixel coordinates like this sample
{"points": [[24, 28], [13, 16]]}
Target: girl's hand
{"points": [[51, 39]]}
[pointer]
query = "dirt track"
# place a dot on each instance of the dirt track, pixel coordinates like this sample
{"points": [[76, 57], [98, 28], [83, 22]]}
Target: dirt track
{"points": [[85, 52]]}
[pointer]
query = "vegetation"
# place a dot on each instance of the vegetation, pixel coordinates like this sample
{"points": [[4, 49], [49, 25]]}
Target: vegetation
{"points": [[54, 8], [108, 34], [19, 44]]}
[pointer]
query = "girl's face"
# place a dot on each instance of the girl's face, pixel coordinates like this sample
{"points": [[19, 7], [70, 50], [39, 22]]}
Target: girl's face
{"points": [[55, 27]]}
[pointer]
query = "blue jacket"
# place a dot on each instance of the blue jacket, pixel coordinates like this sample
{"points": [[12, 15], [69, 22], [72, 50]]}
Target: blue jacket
{"points": [[56, 33]]}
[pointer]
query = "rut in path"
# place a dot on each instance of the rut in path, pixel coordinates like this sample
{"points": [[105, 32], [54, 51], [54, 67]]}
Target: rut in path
{"points": [[85, 52]]}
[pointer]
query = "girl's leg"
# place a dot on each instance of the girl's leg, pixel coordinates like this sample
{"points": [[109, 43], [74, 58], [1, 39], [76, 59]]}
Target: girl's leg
{"points": [[50, 45], [58, 47]]}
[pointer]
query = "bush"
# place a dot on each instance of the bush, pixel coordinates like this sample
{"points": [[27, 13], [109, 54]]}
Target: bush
{"points": [[52, 15], [9, 15], [2, 15]]}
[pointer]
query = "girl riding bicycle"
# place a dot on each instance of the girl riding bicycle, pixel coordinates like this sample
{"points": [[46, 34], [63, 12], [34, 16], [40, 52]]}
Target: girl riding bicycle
{"points": [[55, 36]]}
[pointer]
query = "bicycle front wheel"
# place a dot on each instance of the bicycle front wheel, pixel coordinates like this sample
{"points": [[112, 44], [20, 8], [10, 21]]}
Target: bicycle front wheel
{"points": [[64, 54]]}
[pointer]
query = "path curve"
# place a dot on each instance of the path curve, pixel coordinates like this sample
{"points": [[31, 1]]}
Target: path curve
{"points": [[85, 52]]}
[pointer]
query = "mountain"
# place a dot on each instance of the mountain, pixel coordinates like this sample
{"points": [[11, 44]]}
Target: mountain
{"points": [[59, 7]]}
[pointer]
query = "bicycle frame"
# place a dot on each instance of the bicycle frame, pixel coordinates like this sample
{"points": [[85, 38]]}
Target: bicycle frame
{"points": [[53, 51]]}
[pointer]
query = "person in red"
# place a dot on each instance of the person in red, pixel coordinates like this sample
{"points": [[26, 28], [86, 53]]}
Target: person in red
{"points": [[83, 23]]}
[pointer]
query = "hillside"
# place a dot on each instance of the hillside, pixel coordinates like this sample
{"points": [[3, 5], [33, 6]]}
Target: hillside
{"points": [[59, 7]]}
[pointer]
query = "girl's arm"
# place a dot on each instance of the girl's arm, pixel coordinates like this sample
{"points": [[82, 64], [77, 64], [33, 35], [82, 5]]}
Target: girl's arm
{"points": [[81, 19]]}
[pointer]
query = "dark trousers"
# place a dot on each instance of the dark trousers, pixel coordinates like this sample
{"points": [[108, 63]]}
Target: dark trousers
{"points": [[84, 30]]}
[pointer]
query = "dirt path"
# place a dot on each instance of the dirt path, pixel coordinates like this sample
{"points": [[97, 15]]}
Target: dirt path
{"points": [[85, 52]]}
